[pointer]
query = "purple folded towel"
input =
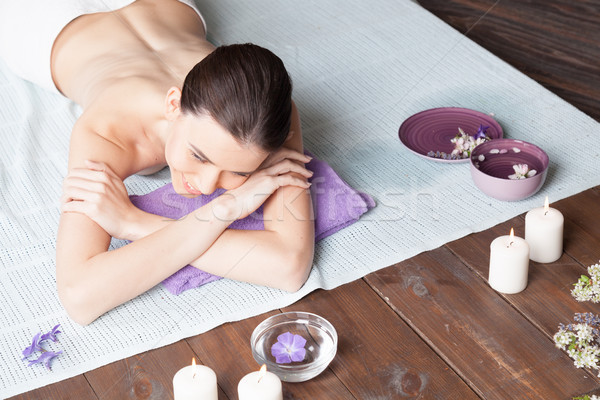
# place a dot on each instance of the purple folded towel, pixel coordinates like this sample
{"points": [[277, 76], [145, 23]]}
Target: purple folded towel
{"points": [[335, 203]]}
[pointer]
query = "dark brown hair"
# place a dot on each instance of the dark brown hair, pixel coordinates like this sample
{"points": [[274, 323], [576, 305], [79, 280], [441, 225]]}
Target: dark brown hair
{"points": [[246, 89]]}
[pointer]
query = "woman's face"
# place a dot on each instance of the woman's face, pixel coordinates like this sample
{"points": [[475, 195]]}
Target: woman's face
{"points": [[203, 156]]}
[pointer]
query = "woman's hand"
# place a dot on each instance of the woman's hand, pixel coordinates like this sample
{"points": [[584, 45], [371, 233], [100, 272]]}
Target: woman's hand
{"points": [[99, 193], [284, 167]]}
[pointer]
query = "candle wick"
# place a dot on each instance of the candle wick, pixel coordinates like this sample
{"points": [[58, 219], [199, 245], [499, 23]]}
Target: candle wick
{"points": [[546, 212], [259, 378]]}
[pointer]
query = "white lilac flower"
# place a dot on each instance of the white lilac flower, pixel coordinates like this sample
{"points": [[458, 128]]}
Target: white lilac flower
{"points": [[581, 340], [590, 357], [587, 358], [522, 171], [588, 288], [563, 338], [573, 353], [594, 269], [581, 292], [465, 143], [584, 332]]}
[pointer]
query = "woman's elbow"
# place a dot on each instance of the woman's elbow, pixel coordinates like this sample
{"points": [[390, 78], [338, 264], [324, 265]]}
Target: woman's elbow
{"points": [[299, 267], [75, 304]]}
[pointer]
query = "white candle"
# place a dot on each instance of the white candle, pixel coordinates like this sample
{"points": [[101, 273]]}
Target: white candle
{"points": [[195, 382], [544, 233], [260, 385], [509, 264]]}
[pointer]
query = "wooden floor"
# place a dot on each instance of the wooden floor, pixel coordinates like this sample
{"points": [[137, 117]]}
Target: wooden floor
{"points": [[430, 327]]}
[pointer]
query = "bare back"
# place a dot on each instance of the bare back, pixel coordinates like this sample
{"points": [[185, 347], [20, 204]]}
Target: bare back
{"points": [[118, 66]]}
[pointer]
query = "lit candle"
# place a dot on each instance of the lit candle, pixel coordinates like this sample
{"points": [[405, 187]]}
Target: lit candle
{"points": [[260, 385], [544, 233], [195, 382], [509, 264]]}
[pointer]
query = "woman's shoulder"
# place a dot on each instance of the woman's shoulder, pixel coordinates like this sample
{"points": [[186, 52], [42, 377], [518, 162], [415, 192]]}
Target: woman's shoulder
{"points": [[114, 132]]}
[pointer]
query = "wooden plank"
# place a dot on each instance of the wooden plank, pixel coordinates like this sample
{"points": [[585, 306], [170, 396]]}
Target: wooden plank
{"points": [[554, 42], [145, 376], [379, 356], [494, 348], [227, 349], [582, 226], [73, 388]]}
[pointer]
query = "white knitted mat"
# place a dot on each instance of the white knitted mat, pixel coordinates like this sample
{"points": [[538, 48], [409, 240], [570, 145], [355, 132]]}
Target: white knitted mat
{"points": [[359, 68]]}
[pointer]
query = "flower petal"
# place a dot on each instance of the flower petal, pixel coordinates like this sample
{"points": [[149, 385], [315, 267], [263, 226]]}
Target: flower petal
{"points": [[51, 335], [278, 348], [35, 346], [45, 358], [281, 353], [286, 339], [283, 359], [298, 354], [299, 342]]}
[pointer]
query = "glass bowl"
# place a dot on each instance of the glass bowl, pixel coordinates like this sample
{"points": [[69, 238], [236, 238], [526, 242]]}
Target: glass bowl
{"points": [[492, 163], [320, 347]]}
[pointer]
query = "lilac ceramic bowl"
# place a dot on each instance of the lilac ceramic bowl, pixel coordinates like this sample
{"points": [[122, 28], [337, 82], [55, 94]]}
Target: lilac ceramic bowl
{"points": [[492, 163]]}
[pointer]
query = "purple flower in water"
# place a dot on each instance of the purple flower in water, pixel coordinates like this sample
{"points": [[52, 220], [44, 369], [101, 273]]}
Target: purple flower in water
{"points": [[35, 346], [45, 358], [481, 132], [289, 348], [51, 335]]}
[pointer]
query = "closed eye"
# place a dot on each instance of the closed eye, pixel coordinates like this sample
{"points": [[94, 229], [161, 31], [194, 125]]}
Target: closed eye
{"points": [[197, 157], [204, 160]]}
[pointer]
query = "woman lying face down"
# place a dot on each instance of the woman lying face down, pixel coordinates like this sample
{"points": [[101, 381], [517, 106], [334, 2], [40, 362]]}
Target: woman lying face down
{"points": [[233, 126]]}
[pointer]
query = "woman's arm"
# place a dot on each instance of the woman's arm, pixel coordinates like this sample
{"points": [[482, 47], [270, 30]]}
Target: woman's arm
{"points": [[91, 280], [280, 256]]}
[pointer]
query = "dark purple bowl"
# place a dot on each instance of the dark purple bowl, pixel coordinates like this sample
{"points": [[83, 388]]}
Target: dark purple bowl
{"points": [[432, 130], [492, 162]]}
